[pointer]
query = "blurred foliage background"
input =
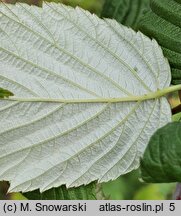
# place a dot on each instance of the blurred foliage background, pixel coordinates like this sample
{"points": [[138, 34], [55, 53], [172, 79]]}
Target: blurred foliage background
{"points": [[127, 187]]}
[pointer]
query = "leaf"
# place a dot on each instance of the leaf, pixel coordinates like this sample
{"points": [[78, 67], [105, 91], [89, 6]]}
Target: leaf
{"points": [[127, 12], [164, 24], [87, 96], [177, 117], [161, 161], [62, 193]]}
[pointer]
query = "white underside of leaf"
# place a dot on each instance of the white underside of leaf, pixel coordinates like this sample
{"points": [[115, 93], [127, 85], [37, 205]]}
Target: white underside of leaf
{"points": [[60, 52]]}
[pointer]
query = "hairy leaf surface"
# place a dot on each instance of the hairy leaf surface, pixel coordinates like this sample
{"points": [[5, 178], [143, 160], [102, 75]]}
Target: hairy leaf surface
{"points": [[86, 192], [127, 12], [55, 59], [163, 22], [162, 158]]}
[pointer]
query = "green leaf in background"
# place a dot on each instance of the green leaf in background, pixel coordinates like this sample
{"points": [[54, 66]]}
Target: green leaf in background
{"points": [[164, 24], [85, 192], [127, 12], [177, 117], [162, 159], [5, 93]]}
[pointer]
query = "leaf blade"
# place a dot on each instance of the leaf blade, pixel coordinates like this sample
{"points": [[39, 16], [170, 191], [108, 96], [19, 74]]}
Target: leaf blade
{"points": [[167, 31], [52, 144], [128, 12], [161, 161], [62, 193]]}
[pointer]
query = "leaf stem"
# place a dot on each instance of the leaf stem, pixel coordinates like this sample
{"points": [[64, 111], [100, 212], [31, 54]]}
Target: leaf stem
{"points": [[176, 109], [149, 96]]}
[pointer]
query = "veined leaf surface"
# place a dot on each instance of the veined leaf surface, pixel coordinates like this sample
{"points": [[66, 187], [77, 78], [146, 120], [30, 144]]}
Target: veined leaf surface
{"points": [[55, 59], [161, 160], [163, 22], [127, 12]]}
